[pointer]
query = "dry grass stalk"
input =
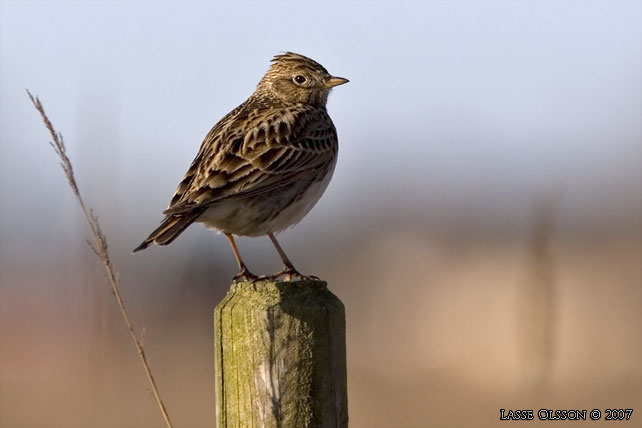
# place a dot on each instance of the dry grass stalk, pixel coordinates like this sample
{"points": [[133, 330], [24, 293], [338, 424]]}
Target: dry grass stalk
{"points": [[100, 248]]}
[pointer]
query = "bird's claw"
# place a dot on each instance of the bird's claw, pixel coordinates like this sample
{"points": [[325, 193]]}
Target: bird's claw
{"points": [[245, 275], [289, 272]]}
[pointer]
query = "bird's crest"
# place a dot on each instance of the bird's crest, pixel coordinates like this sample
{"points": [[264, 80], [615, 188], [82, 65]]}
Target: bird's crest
{"points": [[291, 60]]}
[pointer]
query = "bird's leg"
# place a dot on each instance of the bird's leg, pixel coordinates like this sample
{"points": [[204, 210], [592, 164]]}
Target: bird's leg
{"points": [[244, 273], [288, 268]]}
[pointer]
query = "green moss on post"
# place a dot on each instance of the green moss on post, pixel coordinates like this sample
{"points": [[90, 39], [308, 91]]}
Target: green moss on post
{"points": [[280, 357]]}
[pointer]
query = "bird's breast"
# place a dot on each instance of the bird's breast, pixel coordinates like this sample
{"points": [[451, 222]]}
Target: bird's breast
{"points": [[271, 212]]}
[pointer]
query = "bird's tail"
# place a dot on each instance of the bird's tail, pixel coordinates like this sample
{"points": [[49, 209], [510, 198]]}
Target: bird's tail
{"points": [[169, 229]]}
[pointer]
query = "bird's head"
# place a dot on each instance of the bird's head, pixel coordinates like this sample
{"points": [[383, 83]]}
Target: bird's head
{"points": [[298, 79]]}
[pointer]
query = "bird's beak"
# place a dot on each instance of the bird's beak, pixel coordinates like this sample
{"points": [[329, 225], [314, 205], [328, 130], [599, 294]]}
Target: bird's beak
{"points": [[335, 81]]}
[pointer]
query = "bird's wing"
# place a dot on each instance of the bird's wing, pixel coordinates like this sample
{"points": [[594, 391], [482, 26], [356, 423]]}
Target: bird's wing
{"points": [[256, 150]]}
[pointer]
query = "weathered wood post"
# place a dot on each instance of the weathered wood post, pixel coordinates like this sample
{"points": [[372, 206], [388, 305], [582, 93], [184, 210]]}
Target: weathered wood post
{"points": [[280, 356]]}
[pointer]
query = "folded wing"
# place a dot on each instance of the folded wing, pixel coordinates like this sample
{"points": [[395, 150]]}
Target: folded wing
{"points": [[249, 153]]}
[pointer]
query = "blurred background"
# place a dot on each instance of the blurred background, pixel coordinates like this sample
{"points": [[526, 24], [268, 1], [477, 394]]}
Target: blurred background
{"points": [[483, 226]]}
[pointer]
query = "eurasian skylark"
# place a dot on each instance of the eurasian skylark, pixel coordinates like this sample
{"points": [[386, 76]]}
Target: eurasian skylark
{"points": [[264, 165]]}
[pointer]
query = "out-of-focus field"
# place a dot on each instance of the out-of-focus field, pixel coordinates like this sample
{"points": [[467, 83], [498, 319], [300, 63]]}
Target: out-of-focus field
{"points": [[443, 329]]}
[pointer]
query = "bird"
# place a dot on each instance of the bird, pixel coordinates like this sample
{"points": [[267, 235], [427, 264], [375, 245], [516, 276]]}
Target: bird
{"points": [[263, 166]]}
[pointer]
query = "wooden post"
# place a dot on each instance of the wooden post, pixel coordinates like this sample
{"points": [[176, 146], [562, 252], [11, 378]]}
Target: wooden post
{"points": [[280, 356]]}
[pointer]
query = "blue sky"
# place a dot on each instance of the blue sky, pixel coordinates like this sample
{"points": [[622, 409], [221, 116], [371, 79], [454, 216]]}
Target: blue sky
{"points": [[451, 105]]}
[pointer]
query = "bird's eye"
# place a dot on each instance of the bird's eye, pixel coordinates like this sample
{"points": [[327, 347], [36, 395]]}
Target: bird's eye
{"points": [[300, 79]]}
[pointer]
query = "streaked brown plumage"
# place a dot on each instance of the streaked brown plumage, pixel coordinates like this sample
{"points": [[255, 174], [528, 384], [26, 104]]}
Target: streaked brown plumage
{"points": [[264, 165]]}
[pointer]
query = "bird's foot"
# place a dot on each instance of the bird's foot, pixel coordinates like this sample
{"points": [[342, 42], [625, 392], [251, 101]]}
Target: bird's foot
{"points": [[245, 275], [290, 272]]}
